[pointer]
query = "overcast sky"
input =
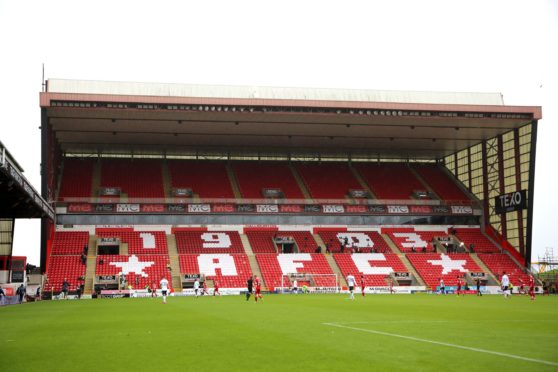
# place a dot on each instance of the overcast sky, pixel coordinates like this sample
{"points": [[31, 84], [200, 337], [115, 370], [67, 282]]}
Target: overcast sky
{"points": [[487, 46]]}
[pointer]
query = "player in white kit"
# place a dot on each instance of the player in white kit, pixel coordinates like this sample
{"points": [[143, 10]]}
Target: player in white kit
{"points": [[506, 285], [164, 284], [351, 282], [197, 287]]}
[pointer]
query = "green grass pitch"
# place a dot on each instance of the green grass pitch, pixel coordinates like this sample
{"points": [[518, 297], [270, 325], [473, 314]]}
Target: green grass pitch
{"points": [[284, 333]]}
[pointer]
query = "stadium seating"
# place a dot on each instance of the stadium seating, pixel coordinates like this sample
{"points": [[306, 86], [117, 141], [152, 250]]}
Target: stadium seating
{"points": [[69, 242], [273, 266], [64, 267], [443, 186], [140, 270], [500, 262], [390, 181], [77, 178], [408, 239], [253, 177], [374, 267], [206, 179], [138, 178], [139, 242], [328, 180], [433, 266], [474, 236], [262, 241], [208, 242], [366, 241], [230, 270]]}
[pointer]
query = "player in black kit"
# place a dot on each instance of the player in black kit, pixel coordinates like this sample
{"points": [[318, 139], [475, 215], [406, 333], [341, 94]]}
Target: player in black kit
{"points": [[249, 285]]}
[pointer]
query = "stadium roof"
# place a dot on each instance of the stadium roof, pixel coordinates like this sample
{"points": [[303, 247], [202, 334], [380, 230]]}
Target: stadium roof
{"points": [[18, 199], [146, 117], [272, 93]]}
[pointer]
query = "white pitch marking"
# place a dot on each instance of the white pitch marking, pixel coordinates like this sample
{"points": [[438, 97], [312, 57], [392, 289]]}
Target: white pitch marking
{"points": [[444, 344], [451, 321]]}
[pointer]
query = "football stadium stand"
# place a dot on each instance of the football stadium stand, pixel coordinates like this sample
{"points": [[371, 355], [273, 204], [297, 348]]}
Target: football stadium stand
{"points": [[231, 181]]}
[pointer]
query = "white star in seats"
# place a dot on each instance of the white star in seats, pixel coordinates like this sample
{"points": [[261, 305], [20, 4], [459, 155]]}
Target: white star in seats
{"points": [[133, 265], [448, 264]]}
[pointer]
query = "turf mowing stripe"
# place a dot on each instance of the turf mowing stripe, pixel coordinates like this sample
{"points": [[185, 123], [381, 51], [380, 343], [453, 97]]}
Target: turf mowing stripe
{"points": [[444, 344]]}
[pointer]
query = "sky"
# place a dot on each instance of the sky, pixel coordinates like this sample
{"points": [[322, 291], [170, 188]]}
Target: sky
{"points": [[482, 46]]}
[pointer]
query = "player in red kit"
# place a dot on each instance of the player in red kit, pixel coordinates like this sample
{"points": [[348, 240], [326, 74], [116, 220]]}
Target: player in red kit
{"points": [[216, 288], [258, 285], [458, 285], [532, 288], [362, 285]]}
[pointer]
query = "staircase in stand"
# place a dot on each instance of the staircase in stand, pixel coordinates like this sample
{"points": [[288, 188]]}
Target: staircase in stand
{"points": [[234, 182], [362, 182], [391, 244], [96, 179], [252, 259], [300, 183], [411, 269], [167, 181], [482, 265], [424, 183], [91, 265], [331, 261], [174, 262]]}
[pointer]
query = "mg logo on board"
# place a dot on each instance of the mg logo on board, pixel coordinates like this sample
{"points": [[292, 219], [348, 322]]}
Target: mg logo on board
{"points": [[199, 208], [333, 209], [398, 209], [267, 208]]}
